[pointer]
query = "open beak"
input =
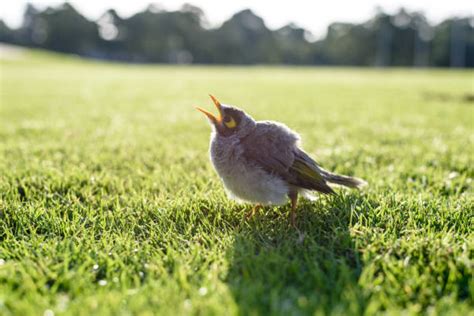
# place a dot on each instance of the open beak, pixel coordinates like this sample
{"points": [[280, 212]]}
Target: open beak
{"points": [[209, 114]]}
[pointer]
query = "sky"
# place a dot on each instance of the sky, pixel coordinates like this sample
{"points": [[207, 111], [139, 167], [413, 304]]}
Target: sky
{"points": [[312, 15]]}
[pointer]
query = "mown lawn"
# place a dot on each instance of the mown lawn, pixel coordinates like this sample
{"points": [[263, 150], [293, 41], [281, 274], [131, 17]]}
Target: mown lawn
{"points": [[109, 204]]}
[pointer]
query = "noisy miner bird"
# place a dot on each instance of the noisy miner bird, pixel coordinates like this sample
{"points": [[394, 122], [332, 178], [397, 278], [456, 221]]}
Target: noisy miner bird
{"points": [[261, 161]]}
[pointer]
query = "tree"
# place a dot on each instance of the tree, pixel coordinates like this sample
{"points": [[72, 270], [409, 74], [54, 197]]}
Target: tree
{"points": [[183, 36]]}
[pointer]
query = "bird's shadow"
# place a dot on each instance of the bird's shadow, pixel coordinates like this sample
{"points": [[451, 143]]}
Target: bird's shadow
{"points": [[278, 270]]}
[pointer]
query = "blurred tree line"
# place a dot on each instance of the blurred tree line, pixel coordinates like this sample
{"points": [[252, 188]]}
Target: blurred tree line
{"points": [[156, 35]]}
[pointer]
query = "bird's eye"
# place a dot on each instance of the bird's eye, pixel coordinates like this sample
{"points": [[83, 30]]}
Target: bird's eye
{"points": [[229, 122]]}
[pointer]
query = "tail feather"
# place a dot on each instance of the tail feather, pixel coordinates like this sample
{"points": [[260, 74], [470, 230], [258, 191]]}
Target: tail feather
{"points": [[311, 176], [346, 181]]}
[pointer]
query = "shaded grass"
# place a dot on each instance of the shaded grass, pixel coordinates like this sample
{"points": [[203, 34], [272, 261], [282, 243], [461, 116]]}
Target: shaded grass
{"points": [[109, 205]]}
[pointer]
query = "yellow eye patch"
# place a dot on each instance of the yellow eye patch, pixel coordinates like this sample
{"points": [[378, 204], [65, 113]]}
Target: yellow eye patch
{"points": [[229, 122]]}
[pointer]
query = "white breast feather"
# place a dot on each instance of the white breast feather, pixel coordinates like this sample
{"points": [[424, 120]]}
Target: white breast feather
{"points": [[244, 181]]}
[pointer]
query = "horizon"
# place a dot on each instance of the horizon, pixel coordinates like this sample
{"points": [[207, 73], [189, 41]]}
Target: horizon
{"points": [[313, 18]]}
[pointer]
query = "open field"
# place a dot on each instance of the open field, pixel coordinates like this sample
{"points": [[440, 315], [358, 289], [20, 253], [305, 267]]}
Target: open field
{"points": [[109, 204]]}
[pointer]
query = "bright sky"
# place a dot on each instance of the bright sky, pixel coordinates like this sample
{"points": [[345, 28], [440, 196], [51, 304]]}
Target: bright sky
{"points": [[315, 16]]}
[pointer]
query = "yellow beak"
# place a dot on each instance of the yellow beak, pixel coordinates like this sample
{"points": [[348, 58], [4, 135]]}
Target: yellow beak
{"points": [[209, 114]]}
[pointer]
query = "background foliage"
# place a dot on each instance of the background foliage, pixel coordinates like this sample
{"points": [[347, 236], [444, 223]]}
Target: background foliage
{"points": [[156, 35]]}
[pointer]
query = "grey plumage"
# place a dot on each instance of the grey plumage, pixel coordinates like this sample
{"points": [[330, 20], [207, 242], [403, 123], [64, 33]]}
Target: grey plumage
{"points": [[261, 161], [274, 147]]}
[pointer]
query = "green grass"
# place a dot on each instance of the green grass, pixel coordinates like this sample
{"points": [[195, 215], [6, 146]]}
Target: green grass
{"points": [[109, 204]]}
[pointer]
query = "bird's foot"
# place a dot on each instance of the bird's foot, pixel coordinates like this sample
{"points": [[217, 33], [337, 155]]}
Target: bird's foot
{"points": [[294, 202], [293, 219], [252, 212]]}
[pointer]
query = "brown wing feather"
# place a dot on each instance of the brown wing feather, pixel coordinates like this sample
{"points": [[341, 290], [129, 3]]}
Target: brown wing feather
{"points": [[273, 148], [307, 176]]}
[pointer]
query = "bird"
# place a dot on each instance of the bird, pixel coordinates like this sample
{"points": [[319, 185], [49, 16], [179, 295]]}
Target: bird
{"points": [[262, 162]]}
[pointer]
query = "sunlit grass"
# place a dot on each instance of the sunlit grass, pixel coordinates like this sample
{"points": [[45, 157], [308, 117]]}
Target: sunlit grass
{"points": [[109, 204]]}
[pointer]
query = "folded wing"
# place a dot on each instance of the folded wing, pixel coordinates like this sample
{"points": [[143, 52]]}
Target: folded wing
{"points": [[273, 147]]}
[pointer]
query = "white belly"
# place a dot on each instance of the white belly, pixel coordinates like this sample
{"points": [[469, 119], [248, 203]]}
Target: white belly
{"points": [[254, 185], [247, 182]]}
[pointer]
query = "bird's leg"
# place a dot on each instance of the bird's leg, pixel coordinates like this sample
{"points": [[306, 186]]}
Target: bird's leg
{"points": [[253, 210], [294, 202]]}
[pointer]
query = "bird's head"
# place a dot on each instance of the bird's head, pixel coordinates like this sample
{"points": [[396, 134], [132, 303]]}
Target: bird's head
{"points": [[230, 121]]}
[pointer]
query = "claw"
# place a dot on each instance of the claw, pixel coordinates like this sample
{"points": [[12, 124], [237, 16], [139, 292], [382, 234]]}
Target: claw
{"points": [[254, 209]]}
